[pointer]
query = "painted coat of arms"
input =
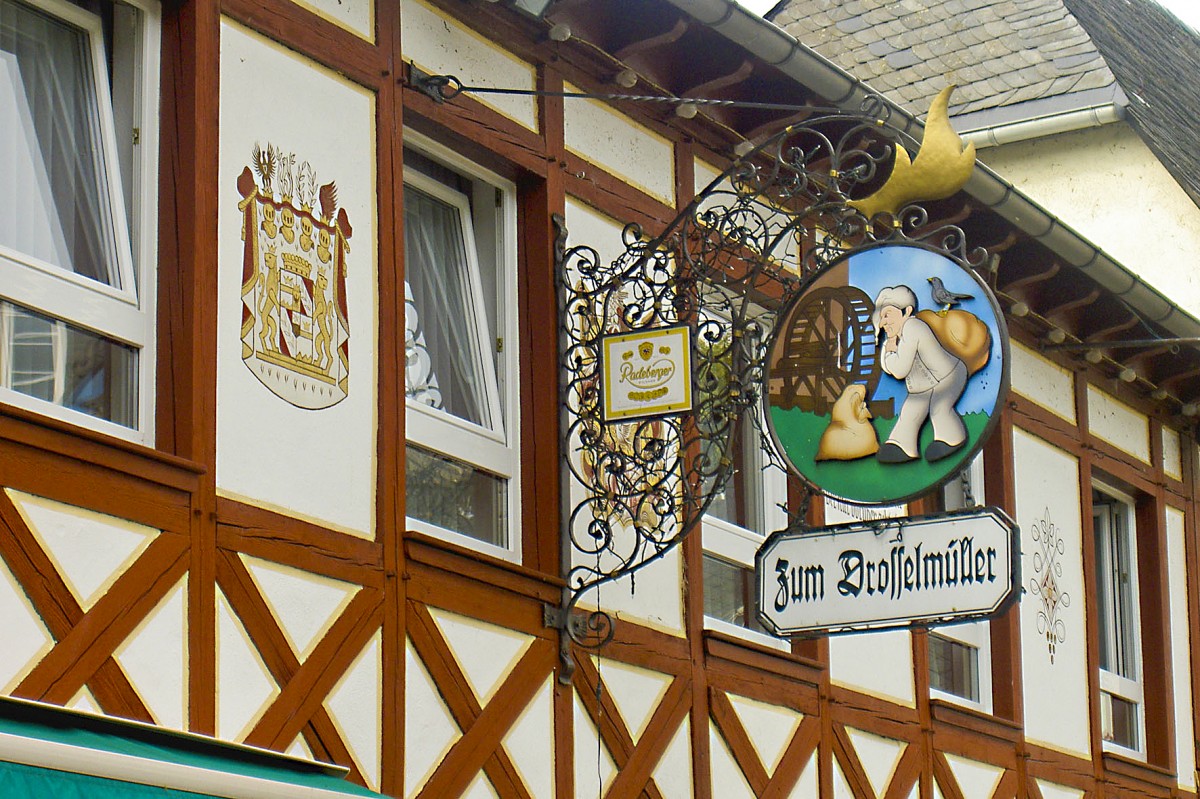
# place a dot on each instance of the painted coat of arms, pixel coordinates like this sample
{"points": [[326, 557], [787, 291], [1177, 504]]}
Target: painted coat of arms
{"points": [[295, 328]]}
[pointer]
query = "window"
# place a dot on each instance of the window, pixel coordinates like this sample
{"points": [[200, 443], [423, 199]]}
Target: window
{"points": [[462, 453], [738, 520], [1121, 719], [78, 206], [960, 655]]}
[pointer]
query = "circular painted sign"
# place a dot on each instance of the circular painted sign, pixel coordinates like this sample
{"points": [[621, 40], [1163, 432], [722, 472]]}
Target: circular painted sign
{"points": [[886, 374]]}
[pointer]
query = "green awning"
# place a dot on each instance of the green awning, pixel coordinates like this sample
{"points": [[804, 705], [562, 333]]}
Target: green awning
{"points": [[48, 751]]}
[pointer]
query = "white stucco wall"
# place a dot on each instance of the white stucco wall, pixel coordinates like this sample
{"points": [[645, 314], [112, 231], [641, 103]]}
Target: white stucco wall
{"points": [[1107, 185]]}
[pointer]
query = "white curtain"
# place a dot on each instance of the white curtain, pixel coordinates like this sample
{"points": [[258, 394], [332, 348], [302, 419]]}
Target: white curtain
{"points": [[53, 199], [448, 364]]}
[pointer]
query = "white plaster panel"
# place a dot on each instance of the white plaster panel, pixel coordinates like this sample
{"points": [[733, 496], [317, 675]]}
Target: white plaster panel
{"points": [[854, 662], [1154, 230], [808, 786], [615, 142], [635, 691], [1052, 790], [354, 706], [673, 774], [85, 702], [975, 778], [1172, 447], [26, 639], [654, 595], [440, 45], [586, 225], [306, 605], [1118, 424], [467, 638], [244, 686], [429, 729], [879, 757], [299, 748], [1181, 672], [356, 16], [769, 727], [317, 464], [91, 550], [1053, 605], [154, 657], [728, 781], [594, 767], [1043, 381], [530, 743], [481, 788]]}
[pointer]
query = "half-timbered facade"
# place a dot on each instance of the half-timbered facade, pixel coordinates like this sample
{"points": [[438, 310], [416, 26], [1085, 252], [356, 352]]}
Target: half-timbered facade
{"points": [[282, 458]]}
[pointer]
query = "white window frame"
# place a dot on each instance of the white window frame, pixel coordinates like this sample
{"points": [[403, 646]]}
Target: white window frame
{"points": [[1111, 683], [738, 545], [124, 314], [495, 451], [975, 634]]}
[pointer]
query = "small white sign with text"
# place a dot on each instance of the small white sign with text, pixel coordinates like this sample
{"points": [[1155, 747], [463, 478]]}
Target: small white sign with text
{"points": [[888, 573]]}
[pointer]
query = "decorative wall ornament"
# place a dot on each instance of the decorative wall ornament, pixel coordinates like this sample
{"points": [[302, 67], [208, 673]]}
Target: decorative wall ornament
{"points": [[295, 327], [741, 250], [1046, 581]]}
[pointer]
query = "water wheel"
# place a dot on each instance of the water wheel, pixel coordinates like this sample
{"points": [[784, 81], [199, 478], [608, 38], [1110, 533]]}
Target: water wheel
{"points": [[828, 343]]}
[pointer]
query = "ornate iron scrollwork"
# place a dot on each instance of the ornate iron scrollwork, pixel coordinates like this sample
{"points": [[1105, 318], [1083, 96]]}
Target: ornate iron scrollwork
{"points": [[726, 266]]}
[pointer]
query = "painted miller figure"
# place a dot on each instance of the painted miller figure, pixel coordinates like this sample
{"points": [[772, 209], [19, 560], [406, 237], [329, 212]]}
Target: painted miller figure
{"points": [[935, 379]]}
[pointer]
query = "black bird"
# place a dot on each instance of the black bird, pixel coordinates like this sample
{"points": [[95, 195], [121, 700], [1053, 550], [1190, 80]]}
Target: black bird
{"points": [[944, 297]]}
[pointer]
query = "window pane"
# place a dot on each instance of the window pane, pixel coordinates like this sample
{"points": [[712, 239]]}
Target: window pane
{"points": [[455, 496], [449, 365], [1116, 600], [954, 667], [53, 361], [1119, 720], [52, 178], [729, 593]]}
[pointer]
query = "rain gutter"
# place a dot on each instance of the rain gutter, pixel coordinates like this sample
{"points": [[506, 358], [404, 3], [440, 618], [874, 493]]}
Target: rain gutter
{"points": [[1044, 125], [782, 50]]}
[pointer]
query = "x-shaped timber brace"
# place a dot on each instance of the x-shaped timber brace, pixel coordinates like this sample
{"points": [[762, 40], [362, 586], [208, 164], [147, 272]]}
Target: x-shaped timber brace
{"points": [[725, 267]]}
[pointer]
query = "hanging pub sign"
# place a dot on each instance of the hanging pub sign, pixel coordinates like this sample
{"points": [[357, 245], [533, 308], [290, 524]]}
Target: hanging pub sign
{"points": [[885, 375], [881, 575], [646, 373]]}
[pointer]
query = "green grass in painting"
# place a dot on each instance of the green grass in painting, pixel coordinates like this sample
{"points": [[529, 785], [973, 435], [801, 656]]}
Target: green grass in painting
{"points": [[866, 479]]}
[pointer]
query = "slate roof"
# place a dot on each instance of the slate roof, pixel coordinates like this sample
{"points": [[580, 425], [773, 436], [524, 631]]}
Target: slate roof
{"points": [[1157, 60], [1011, 59]]}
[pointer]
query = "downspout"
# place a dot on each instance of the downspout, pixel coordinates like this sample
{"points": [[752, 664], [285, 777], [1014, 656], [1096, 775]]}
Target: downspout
{"points": [[780, 49]]}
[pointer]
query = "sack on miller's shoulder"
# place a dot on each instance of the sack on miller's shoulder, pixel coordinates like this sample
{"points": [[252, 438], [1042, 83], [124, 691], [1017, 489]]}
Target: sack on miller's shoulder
{"points": [[963, 335]]}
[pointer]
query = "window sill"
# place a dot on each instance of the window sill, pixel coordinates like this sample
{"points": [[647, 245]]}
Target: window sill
{"points": [[433, 552], [56, 437], [973, 720], [740, 650], [1131, 768]]}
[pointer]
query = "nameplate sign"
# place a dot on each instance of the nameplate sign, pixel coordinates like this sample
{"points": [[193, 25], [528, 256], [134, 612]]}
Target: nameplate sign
{"points": [[903, 572]]}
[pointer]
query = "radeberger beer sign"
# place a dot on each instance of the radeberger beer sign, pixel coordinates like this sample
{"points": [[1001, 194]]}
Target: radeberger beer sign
{"points": [[885, 374], [647, 373], [879, 575]]}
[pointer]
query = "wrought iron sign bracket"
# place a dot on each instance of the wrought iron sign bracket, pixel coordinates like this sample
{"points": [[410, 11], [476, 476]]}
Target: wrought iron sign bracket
{"points": [[639, 472]]}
